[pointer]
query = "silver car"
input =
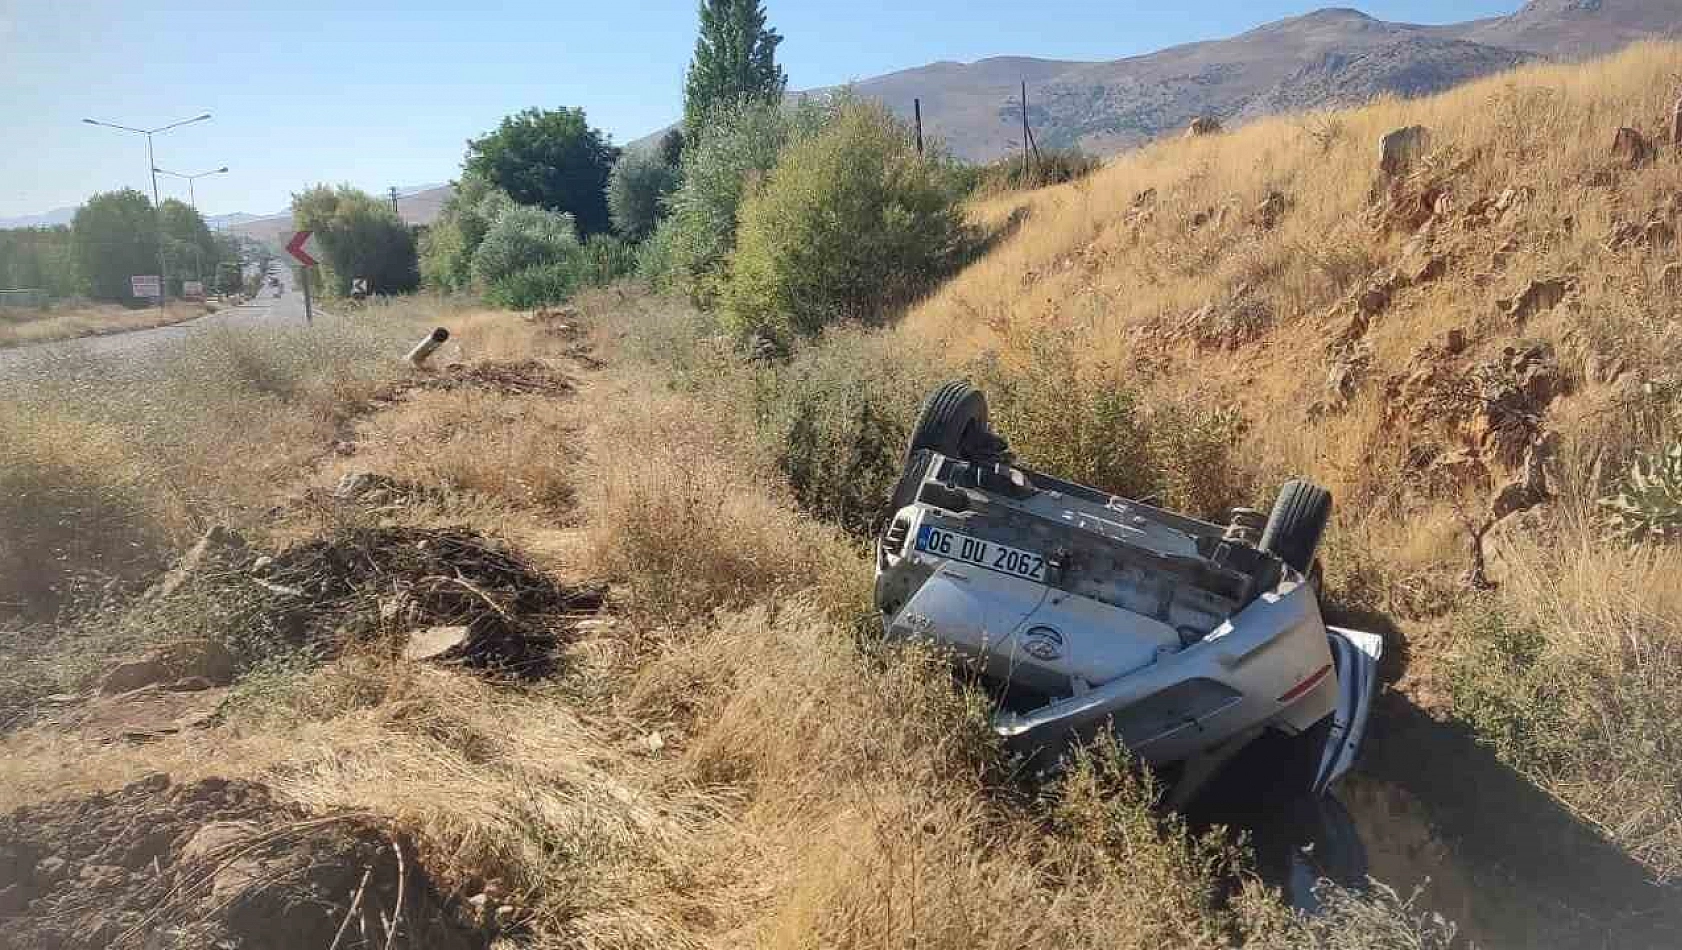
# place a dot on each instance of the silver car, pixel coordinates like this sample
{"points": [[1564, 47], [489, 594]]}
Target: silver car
{"points": [[1085, 611]]}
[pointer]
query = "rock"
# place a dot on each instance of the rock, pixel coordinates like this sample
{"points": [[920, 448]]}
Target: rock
{"points": [[435, 642], [220, 545], [655, 742], [1145, 199], [1631, 148], [1539, 297], [262, 565], [1454, 341], [169, 663], [1432, 268], [1203, 125], [1400, 148]]}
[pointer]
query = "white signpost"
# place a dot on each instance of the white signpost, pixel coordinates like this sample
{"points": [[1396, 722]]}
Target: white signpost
{"points": [[192, 288], [146, 285]]}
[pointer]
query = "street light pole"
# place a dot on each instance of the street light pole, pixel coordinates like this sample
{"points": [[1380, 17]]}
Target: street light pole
{"points": [[192, 193], [157, 212], [193, 201]]}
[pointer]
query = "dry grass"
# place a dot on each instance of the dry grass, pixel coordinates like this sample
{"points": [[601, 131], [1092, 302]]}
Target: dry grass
{"points": [[1120, 261], [24, 327]]}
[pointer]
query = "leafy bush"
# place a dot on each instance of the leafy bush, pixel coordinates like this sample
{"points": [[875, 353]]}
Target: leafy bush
{"points": [[1648, 506], [534, 286], [838, 416], [1053, 167], [657, 257], [636, 193], [851, 221], [600, 260], [1089, 425], [741, 144], [447, 247], [603, 259], [523, 237]]}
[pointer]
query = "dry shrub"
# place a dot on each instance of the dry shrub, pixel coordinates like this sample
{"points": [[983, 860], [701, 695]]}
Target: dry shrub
{"points": [[78, 507], [512, 448], [681, 512], [1569, 675]]}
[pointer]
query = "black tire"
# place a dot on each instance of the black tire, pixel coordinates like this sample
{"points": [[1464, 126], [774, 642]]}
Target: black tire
{"points": [[953, 417], [1299, 518]]}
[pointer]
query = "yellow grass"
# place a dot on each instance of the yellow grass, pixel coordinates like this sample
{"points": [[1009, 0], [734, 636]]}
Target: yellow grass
{"points": [[23, 327]]}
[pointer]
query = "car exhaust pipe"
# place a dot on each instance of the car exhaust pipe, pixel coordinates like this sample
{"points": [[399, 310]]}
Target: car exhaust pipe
{"points": [[425, 348]]}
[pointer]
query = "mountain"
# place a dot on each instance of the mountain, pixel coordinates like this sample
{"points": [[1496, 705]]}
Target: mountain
{"points": [[1578, 28], [416, 204], [48, 219], [1327, 58]]}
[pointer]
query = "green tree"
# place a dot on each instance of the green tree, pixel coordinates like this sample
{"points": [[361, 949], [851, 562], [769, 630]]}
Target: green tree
{"points": [[636, 193], [850, 223], [116, 237], [550, 158], [39, 259], [735, 59], [361, 237], [742, 144], [670, 147], [190, 250], [447, 247]]}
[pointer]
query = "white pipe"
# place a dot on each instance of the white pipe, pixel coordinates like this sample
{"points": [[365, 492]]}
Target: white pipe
{"points": [[425, 348]]}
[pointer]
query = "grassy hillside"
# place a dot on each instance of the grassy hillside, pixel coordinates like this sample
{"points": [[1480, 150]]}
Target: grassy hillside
{"points": [[1412, 344]]}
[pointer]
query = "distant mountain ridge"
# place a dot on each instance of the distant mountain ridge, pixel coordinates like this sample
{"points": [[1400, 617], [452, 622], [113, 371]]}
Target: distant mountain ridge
{"points": [[416, 204], [1330, 57]]}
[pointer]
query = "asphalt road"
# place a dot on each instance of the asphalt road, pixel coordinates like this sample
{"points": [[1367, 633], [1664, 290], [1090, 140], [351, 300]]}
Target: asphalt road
{"points": [[18, 362]]}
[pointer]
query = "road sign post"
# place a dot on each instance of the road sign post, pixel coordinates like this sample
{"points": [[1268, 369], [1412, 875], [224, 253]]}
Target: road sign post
{"points": [[301, 248]]}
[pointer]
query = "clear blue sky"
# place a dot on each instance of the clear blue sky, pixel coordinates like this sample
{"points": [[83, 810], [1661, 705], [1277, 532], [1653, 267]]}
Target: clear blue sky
{"points": [[377, 94]]}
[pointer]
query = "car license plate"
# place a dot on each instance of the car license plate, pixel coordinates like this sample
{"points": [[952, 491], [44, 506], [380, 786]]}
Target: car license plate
{"points": [[988, 554]]}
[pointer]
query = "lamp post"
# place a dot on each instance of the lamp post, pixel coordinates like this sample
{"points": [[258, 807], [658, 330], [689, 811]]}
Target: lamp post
{"points": [[193, 201], [192, 195], [157, 216]]}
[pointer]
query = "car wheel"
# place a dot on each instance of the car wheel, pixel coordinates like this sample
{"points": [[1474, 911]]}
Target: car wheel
{"points": [[953, 419], [1299, 518]]}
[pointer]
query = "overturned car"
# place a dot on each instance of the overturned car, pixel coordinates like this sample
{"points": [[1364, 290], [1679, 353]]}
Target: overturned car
{"points": [[1083, 611]]}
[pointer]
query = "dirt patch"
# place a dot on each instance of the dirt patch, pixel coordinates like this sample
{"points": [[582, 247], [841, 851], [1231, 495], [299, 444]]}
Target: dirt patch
{"points": [[375, 586], [508, 377], [213, 864]]}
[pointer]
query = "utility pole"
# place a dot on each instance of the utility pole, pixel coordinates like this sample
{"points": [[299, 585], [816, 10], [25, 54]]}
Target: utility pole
{"points": [[1025, 132], [157, 210], [394, 203]]}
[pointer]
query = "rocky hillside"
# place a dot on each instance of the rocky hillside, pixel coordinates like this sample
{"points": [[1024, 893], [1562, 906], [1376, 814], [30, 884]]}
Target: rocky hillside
{"points": [[1328, 58]]}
